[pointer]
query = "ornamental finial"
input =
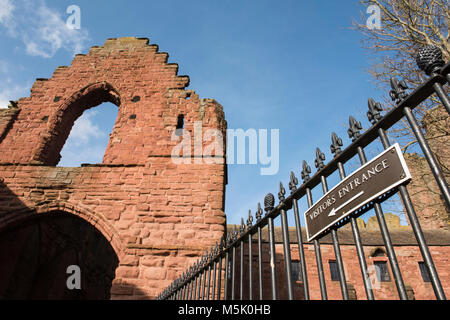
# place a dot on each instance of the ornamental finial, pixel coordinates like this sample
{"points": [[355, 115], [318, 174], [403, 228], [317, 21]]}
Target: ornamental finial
{"points": [[229, 239], [398, 92], [320, 158], [249, 220], [374, 113], [242, 228], [281, 193], [293, 183], [306, 172], [258, 213], [235, 234], [354, 129], [223, 243], [269, 202], [336, 144]]}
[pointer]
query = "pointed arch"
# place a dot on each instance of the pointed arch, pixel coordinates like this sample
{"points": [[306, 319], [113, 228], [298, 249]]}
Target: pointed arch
{"points": [[60, 123], [38, 250], [96, 220]]}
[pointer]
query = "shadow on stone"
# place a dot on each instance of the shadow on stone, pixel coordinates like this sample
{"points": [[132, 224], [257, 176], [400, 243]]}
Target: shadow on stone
{"points": [[36, 252]]}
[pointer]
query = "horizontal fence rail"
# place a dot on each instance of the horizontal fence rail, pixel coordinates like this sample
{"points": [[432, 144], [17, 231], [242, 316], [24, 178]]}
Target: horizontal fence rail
{"points": [[235, 277]]}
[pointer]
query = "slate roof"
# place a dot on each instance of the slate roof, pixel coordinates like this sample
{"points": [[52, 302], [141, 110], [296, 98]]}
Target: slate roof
{"points": [[399, 237]]}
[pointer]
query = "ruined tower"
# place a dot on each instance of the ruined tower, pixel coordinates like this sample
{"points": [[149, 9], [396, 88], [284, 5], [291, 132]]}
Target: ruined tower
{"points": [[131, 223]]}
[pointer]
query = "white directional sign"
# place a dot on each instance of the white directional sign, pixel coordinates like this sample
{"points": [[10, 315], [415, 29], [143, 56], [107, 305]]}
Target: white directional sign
{"points": [[378, 176]]}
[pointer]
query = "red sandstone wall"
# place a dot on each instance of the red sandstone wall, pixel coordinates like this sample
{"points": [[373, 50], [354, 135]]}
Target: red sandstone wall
{"points": [[122, 71], [157, 215]]}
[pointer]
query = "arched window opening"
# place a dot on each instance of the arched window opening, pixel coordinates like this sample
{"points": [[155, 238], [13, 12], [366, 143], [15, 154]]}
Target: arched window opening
{"points": [[70, 109], [89, 136]]}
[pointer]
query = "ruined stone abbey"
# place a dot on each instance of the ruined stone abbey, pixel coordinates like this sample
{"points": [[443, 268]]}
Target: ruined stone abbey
{"points": [[136, 221]]}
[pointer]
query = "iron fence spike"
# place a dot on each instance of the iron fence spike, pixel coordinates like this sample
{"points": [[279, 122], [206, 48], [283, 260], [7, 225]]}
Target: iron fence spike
{"points": [[374, 113], [228, 241], [235, 233], [211, 254], [222, 244], [320, 158], [258, 213], [242, 228], [250, 219], [398, 91], [216, 250], [354, 129], [336, 144], [306, 171], [293, 181], [281, 193]]}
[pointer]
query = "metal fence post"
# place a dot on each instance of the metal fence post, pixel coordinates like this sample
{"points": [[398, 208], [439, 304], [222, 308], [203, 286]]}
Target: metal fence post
{"points": [[260, 271], [320, 157], [323, 288], [250, 256], [269, 202], [241, 280], [286, 243]]}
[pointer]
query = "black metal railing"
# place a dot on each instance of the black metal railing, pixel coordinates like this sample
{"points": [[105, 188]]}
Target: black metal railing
{"points": [[195, 283]]}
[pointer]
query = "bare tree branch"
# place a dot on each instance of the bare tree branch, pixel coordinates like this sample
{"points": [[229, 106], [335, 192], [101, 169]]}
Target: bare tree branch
{"points": [[406, 27]]}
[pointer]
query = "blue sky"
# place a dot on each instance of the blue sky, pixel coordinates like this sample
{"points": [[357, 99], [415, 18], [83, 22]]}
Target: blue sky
{"points": [[296, 66]]}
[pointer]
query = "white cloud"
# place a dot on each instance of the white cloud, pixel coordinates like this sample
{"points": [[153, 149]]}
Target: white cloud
{"points": [[74, 157], [42, 30], [6, 9], [12, 92], [86, 143], [84, 130], [8, 89]]}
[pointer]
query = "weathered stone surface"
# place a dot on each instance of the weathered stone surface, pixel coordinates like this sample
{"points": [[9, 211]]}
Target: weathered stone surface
{"points": [[138, 197]]}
